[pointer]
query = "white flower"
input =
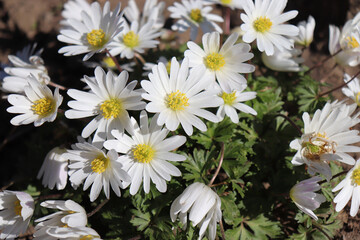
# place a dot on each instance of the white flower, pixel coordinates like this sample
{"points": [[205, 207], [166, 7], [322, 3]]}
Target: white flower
{"points": [[78, 233], [306, 32], [147, 153], [284, 61], [179, 98], [228, 3], [54, 169], [16, 211], [233, 101], [71, 215], [73, 9], [304, 196], [193, 14], [152, 11], [347, 42], [108, 100], [225, 63], [99, 169], [203, 206], [353, 89], [264, 22], [350, 188], [327, 137], [93, 33], [38, 106], [21, 69], [134, 39]]}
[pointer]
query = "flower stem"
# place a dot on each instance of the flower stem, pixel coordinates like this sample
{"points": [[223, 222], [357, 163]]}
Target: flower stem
{"points": [[219, 166], [57, 86], [321, 230], [138, 56], [114, 60], [338, 87], [227, 15], [97, 208], [335, 176], [222, 229], [291, 122], [323, 61]]}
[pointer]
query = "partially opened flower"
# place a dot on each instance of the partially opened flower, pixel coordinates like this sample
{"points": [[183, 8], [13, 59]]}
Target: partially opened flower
{"points": [[16, 209], [353, 88], [93, 32], [147, 153], [77, 233], [134, 39], [284, 61], [193, 14], [232, 102], [306, 32], [21, 69], [70, 215], [72, 10], [97, 168], [54, 169], [152, 11], [327, 137], [304, 196], [38, 106], [350, 188], [223, 64], [109, 100], [233, 4], [202, 205], [264, 21], [179, 98], [148, 66]]}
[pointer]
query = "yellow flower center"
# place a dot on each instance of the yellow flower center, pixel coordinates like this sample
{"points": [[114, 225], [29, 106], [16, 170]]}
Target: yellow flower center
{"points": [[228, 98], [131, 39], [109, 63], [195, 15], [316, 146], [355, 176], [87, 237], [168, 66], [177, 101], [111, 108], [262, 24], [43, 107], [214, 61], [96, 38], [100, 164], [17, 207], [226, 1], [143, 153], [357, 99], [352, 42]]}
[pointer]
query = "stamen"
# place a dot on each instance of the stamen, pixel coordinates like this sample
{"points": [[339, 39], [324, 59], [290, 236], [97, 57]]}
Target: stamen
{"points": [[100, 164], [226, 1], [111, 108], [143, 153], [357, 99], [228, 98], [316, 146], [262, 24], [96, 38], [131, 39], [352, 42], [355, 176], [17, 207], [177, 101], [214, 61], [195, 15], [43, 107]]}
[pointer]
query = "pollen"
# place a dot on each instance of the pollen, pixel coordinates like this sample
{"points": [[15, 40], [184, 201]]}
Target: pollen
{"points": [[355, 176], [143, 153], [177, 101], [214, 61], [195, 15], [262, 24], [96, 38], [357, 100], [100, 164], [131, 39], [168, 66], [229, 98], [352, 42], [17, 207], [43, 107], [226, 1], [111, 108], [316, 146], [87, 237]]}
